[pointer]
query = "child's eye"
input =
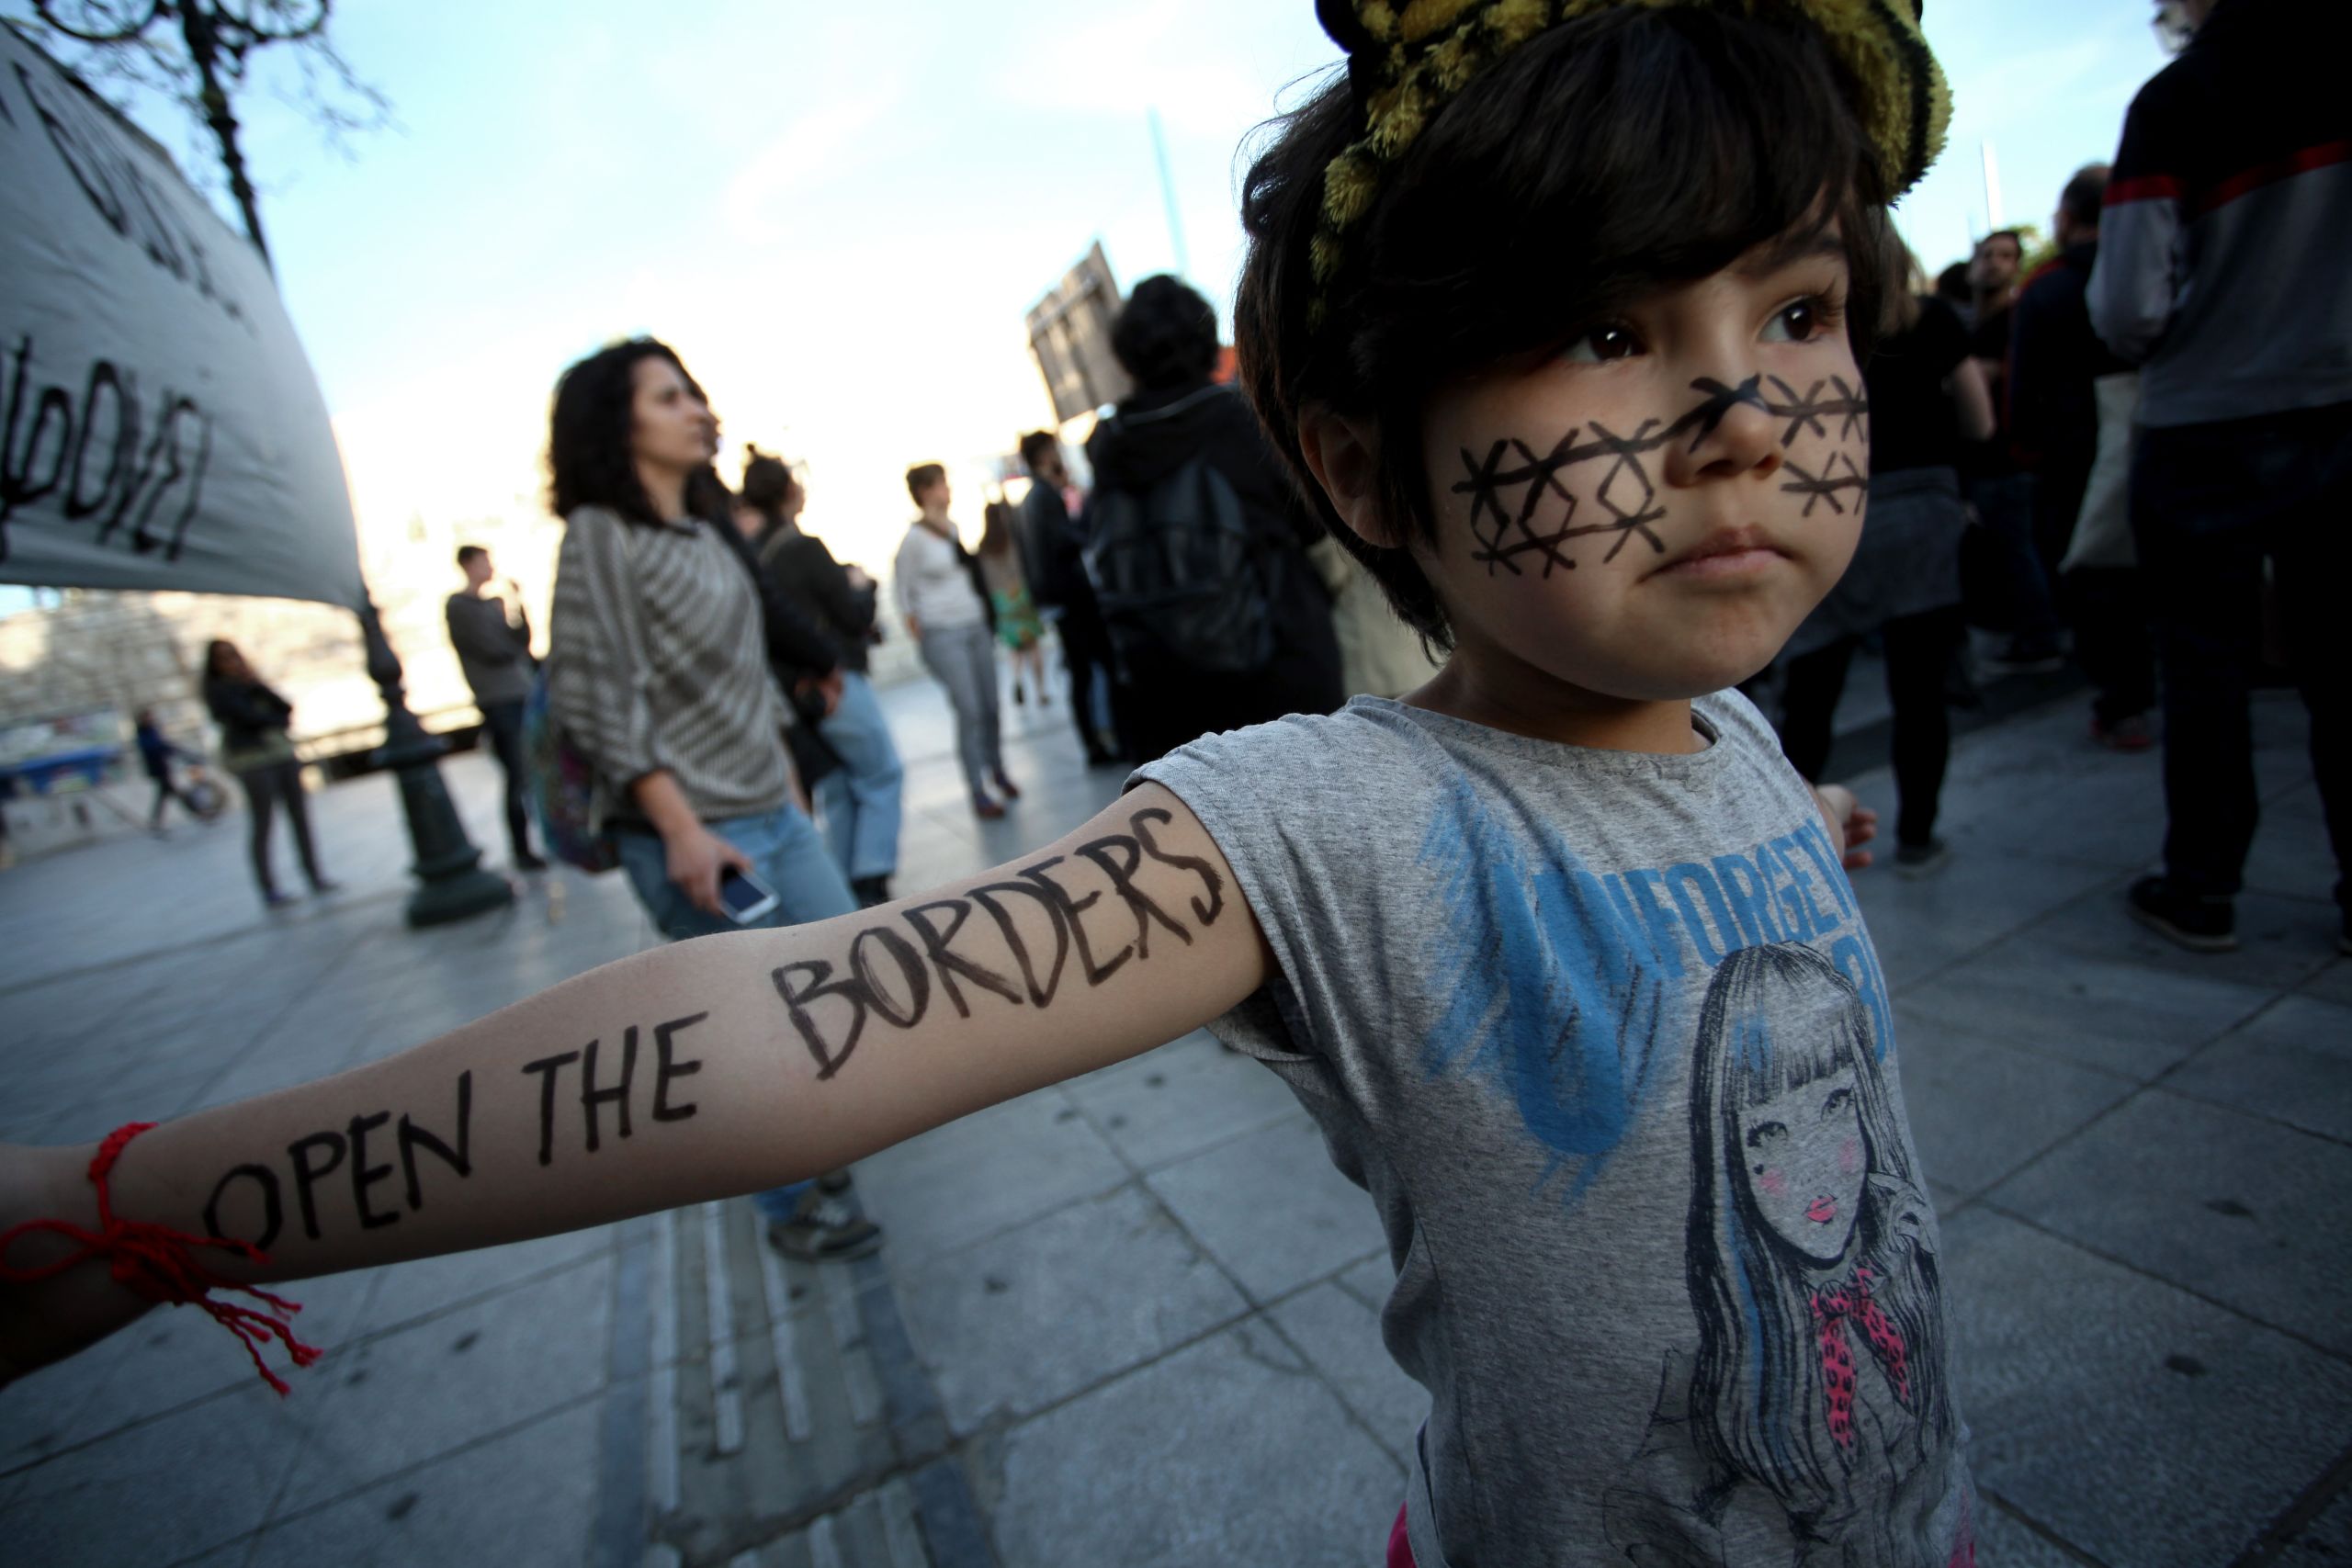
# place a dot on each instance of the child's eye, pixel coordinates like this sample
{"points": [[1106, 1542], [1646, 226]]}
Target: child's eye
{"points": [[1602, 345], [1800, 320]]}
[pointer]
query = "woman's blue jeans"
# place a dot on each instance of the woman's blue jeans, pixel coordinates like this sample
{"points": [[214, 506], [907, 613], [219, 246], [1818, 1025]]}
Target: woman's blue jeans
{"points": [[787, 854], [859, 800]]}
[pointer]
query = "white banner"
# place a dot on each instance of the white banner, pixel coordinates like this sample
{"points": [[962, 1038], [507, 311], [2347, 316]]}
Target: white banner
{"points": [[159, 424]]}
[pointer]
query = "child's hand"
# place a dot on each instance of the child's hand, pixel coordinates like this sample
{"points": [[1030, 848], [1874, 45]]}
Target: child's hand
{"points": [[1851, 822], [48, 1320]]}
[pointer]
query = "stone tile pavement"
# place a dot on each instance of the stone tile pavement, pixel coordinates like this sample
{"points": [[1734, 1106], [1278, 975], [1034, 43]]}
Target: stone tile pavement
{"points": [[1132, 1319]]}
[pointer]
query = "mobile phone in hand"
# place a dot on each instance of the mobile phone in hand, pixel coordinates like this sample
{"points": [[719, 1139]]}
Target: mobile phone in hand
{"points": [[745, 897]]}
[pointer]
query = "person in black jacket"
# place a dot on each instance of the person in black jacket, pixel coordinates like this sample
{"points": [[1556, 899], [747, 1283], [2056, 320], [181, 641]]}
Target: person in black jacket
{"points": [[253, 745], [1166, 339], [860, 799], [2055, 363], [1051, 541]]}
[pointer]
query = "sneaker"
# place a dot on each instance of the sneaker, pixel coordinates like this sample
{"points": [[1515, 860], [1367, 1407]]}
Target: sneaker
{"points": [[525, 861], [833, 1182], [2129, 733], [2200, 924], [823, 1230], [1007, 788], [870, 891], [323, 886], [984, 809], [2027, 656], [276, 900], [1921, 860]]}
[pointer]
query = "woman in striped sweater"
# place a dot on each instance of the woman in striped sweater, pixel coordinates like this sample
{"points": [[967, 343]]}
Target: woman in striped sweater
{"points": [[658, 670]]}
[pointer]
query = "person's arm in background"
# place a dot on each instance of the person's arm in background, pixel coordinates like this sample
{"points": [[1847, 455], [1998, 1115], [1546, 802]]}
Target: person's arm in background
{"points": [[480, 632], [519, 622], [902, 576], [2030, 376], [2135, 285], [601, 701], [690, 1072], [1971, 400], [827, 584]]}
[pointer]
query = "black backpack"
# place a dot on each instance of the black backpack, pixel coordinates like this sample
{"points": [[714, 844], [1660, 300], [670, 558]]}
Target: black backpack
{"points": [[1184, 580]]}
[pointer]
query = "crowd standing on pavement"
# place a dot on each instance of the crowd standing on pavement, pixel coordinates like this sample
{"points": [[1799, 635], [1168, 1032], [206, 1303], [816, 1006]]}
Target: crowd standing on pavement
{"points": [[2147, 434]]}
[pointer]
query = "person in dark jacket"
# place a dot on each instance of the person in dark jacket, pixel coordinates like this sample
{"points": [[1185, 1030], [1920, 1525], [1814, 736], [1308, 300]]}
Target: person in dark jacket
{"points": [[1051, 545], [155, 755], [2221, 274], [493, 642], [859, 800], [1166, 339], [255, 747], [2055, 363]]}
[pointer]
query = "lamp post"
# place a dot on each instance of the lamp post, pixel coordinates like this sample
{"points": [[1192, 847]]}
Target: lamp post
{"points": [[452, 884]]}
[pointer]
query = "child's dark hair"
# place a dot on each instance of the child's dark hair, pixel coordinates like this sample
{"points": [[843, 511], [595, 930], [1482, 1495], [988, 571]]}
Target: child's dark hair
{"points": [[1602, 158]]}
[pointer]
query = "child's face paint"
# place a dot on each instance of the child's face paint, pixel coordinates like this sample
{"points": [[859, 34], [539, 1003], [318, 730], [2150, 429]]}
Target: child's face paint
{"points": [[1649, 514], [1803, 1155]]}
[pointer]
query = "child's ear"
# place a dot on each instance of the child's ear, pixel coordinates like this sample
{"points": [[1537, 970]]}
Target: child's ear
{"points": [[1344, 454]]}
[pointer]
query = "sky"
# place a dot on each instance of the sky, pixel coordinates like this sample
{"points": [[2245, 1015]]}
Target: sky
{"points": [[838, 215]]}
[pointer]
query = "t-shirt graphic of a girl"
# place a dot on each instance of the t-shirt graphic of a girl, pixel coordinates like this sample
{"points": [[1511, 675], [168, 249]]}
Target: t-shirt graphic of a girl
{"points": [[1818, 1379]]}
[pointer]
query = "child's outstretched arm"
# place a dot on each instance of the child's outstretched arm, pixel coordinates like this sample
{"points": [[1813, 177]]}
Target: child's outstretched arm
{"points": [[718, 1067]]}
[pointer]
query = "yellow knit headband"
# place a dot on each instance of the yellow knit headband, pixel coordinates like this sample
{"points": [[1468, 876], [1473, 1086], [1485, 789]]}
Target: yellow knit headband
{"points": [[1406, 59]]}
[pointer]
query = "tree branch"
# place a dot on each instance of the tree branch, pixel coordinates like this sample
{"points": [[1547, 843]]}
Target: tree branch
{"points": [[122, 32]]}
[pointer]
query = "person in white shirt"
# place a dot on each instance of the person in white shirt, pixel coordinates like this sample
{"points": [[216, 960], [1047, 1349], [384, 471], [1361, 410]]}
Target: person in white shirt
{"points": [[949, 622]]}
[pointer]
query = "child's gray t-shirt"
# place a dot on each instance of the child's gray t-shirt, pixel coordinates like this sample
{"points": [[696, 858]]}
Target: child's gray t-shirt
{"points": [[1602, 1034]]}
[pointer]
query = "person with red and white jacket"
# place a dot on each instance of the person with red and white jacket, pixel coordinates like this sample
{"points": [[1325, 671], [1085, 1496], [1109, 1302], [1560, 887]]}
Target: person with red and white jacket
{"points": [[2222, 272]]}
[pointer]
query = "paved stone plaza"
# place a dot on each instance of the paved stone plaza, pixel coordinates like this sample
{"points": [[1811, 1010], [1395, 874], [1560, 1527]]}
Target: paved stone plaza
{"points": [[1131, 1320]]}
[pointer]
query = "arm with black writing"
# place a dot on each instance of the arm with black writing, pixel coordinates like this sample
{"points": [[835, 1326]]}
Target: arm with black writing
{"points": [[722, 1066]]}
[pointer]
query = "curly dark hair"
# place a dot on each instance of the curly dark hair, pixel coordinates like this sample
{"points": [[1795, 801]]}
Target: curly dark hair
{"points": [[1166, 333], [589, 462], [1607, 156]]}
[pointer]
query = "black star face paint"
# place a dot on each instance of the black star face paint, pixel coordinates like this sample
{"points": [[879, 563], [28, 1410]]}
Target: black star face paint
{"points": [[1525, 509], [1654, 511]]}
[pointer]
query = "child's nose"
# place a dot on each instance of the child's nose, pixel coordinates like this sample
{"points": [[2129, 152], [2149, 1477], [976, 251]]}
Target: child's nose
{"points": [[1734, 436]]}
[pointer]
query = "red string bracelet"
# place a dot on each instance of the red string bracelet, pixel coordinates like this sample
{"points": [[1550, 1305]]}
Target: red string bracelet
{"points": [[160, 1263]]}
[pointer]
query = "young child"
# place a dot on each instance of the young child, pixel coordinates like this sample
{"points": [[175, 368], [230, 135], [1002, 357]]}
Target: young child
{"points": [[1556, 307]]}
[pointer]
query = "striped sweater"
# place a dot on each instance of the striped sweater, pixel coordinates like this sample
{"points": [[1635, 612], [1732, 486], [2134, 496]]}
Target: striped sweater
{"points": [[656, 660]]}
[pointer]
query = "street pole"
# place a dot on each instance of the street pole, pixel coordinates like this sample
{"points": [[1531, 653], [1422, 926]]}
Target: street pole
{"points": [[447, 864], [1168, 195]]}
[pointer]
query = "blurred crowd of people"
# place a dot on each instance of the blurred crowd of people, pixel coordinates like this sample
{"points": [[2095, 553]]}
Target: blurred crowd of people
{"points": [[2133, 448], [705, 678]]}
